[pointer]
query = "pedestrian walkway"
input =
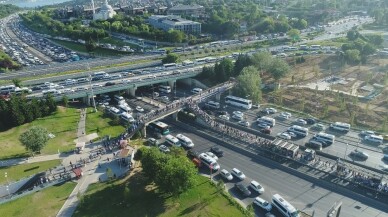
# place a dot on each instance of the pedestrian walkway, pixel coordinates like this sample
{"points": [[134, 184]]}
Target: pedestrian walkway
{"points": [[81, 134]]}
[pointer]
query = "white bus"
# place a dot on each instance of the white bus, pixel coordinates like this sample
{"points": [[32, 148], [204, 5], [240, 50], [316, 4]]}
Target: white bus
{"points": [[298, 130], [344, 127], [99, 75], [325, 137], [267, 120], [169, 65], [201, 60], [7, 89], [187, 63], [315, 47], [239, 102], [211, 59], [173, 141], [185, 141], [284, 207], [165, 89]]}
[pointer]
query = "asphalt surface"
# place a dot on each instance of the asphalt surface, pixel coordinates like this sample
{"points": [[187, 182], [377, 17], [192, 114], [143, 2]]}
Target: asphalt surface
{"points": [[306, 196]]}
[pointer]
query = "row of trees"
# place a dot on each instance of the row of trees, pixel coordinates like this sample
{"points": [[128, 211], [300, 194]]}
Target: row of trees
{"points": [[172, 173], [6, 62], [7, 9], [248, 71], [19, 110]]}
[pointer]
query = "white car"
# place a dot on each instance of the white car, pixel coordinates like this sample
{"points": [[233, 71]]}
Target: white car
{"points": [[239, 118], [224, 117], [260, 202], [244, 123], [212, 155], [226, 175], [97, 85], [285, 115], [300, 121], [164, 149], [284, 135], [139, 109], [256, 187], [238, 113], [236, 172], [367, 133], [263, 125], [270, 110]]}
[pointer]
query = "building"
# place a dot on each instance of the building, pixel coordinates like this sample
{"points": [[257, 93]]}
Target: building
{"points": [[174, 22], [106, 12], [187, 10]]}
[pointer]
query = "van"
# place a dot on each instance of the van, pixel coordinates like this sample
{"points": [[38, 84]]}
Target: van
{"points": [[316, 145], [196, 90], [118, 98], [173, 141], [213, 105], [374, 139], [185, 141]]}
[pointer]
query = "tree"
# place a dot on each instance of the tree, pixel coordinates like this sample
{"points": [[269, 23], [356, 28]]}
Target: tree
{"points": [[17, 82], [249, 84], [294, 34], [90, 46], [352, 56], [262, 60], [242, 61], [170, 58], [34, 139], [352, 35], [279, 68], [65, 100], [375, 39]]}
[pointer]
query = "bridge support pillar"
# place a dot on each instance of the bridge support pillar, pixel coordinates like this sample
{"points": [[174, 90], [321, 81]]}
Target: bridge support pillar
{"points": [[171, 84], [218, 97], [143, 131], [86, 100], [132, 91], [175, 116]]}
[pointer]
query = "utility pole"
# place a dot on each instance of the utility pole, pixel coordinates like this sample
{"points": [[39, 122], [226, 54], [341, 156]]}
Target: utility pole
{"points": [[91, 88]]}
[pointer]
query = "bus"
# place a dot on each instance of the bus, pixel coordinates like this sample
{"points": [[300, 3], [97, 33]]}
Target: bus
{"points": [[344, 127], [315, 47], [239, 102], [173, 141], [298, 130], [165, 89], [201, 60], [187, 63], [267, 120], [325, 137], [284, 207], [159, 127], [7, 89], [211, 59], [169, 65], [99, 75]]}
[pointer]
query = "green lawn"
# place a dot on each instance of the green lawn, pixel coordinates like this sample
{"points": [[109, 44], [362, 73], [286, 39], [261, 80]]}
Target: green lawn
{"points": [[96, 120], [62, 124], [42, 203], [81, 48], [134, 198], [24, 170]]}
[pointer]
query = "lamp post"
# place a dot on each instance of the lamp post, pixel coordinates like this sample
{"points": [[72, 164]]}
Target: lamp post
{"points": [[7, 187]]}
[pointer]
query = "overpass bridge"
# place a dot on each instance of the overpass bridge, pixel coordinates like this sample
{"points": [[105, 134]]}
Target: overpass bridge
{"points": [[173, 108], [128, 86]]}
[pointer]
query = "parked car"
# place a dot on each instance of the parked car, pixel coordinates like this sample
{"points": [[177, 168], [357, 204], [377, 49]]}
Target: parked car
{"points": [[367, 133], [139, 109], [217, 151], [300, 121], [266, 131], [164, 149], [192, 154], [244, 123], [236, 172], [318, 127], [285, 115], [263, 126], [244, 190], [224, 117], [284, 135], [270, 110], [212, 155], [226, 175], [260, 202], [256, 187], [311, 121], [152, 142]]}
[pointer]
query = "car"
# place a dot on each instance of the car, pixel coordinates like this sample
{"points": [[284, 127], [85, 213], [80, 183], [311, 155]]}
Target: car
{"points": [[223, 113], [226, 175], [318, 127], [311, 121], [212, 155], [152, 142], [241, 187], [239, 118], [284, 135], [266, 131], [256, 106], [300, 121], [367, 133], [270, 110], [238, 113], [268, 214], [224, 117], [256, 187], [139, 109], [292, 134], [192, 154], [359, 154], [217, 151], [260, 202], [164, 149], [263, 125], [244, 123], [236, 172], [285, 115]]}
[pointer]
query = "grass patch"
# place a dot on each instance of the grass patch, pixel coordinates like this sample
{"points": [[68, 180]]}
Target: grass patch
{"points": [[81, 48], [136, 197], [42, 203], [96, 122], [63, 124], [24, 170]]}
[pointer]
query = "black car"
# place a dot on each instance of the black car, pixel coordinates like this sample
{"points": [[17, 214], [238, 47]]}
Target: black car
{"points": [[243, 189], [217, 151], [192, 154], [310, 121], [222, 113], [36, 88], [110, 83]]}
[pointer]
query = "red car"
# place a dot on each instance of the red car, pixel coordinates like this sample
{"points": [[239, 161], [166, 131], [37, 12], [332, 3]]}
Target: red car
{"points": [[266, 131]]}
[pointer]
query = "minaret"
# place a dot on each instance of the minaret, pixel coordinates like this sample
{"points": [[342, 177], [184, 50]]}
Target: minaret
{"points": [[93, 7]]}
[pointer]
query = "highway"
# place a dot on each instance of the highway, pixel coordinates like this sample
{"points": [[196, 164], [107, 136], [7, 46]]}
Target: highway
{"points": [[343, 145], [308, 196]]}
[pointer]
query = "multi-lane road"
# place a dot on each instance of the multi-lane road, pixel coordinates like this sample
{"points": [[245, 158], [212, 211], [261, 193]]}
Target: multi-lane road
{"points": [[306, 195]]}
